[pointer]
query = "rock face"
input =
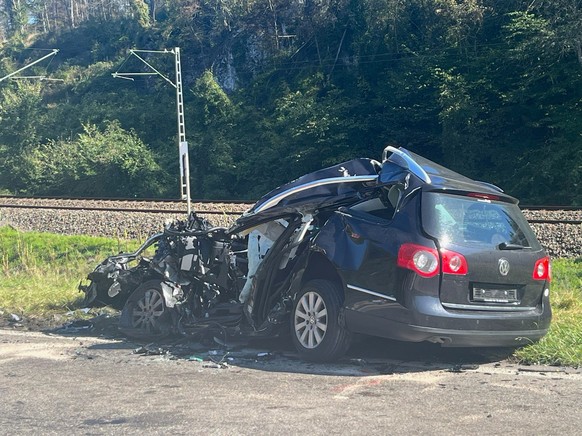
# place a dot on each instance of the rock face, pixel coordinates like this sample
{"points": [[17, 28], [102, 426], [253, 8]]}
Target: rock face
{"points": [[559, 240]]}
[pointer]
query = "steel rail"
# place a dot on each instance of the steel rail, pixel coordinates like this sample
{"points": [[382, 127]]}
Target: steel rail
{"points": [[114, 209], [178, 200], [200, 212], [551, 208], [120, 199], [542, 221], [210, 211]]}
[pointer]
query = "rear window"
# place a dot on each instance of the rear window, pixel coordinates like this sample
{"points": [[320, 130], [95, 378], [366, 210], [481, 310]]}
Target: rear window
{"points": [[459, 220]]}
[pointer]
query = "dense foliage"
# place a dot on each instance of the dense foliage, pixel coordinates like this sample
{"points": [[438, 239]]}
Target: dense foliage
{"points": [[276, 88]]}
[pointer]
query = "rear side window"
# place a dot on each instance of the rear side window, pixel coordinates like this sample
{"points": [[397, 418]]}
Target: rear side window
{"points": [[460, 220]]}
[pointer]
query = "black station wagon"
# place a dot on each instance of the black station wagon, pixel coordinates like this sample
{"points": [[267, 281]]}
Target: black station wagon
{"points": [[403, 249]]}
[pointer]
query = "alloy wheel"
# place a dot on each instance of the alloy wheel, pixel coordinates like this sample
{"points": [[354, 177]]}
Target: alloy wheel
{"points": [[147, 311], [311, 320]]}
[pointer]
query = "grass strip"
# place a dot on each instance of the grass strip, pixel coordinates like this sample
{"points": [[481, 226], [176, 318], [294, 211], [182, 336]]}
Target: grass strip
{"points": [[563, 343], [40, 272]]}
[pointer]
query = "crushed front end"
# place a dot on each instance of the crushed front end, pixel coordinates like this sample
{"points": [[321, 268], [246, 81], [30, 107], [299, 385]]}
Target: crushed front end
{"points": [[194, 276]]}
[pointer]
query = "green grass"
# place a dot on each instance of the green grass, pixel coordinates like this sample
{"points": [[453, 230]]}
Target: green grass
{"points": [[563, 344], [40, 272]]}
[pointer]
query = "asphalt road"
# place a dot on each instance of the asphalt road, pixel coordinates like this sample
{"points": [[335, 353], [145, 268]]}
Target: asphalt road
{"points": [[59, 384]]}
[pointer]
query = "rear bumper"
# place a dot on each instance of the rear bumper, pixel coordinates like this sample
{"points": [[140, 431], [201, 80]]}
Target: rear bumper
{"points": [[433, 323], [472, 338]]}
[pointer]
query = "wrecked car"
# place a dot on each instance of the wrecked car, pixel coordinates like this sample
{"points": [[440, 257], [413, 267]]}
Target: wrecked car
{"points": [[403, 249]]}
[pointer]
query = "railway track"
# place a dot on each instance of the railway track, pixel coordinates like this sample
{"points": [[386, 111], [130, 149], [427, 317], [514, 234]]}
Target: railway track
{"points": [[118, 199], [559, 229], [534, 214], [113, 209], [162, 206]]}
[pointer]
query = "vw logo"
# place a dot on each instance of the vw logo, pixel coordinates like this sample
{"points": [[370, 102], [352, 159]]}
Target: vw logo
{"points": [[503, 266]]}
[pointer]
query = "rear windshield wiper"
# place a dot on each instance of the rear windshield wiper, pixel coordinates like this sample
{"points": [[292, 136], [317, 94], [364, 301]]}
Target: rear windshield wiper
{"points": [[509, 246]]}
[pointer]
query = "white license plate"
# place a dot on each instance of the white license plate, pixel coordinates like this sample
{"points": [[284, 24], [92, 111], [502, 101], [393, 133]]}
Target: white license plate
{"points": [[495, 295]]}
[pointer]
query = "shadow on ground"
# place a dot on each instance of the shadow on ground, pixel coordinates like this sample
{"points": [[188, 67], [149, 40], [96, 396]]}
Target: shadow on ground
{"points": [[367, 356]]}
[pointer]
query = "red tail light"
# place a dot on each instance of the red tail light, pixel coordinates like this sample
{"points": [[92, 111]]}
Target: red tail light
{"points": [[483, 196], [543, 269], [422, 260], [454, 263], [425, 261]]}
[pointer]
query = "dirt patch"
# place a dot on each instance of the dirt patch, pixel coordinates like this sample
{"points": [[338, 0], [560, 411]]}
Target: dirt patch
{"points": [[95, 322]]}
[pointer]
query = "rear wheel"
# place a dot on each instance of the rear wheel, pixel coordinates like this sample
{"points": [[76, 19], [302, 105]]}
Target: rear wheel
{"points": [[316, 330], [145, 313]]}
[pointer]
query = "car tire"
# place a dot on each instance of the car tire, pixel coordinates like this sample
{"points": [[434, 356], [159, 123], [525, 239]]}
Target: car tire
{"points": [[316, 330], [145, 314]]}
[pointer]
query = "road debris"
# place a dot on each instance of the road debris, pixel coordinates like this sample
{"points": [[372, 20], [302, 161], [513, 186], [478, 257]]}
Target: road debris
{"points": [[150, 350], [75, 326], [461, 367]]}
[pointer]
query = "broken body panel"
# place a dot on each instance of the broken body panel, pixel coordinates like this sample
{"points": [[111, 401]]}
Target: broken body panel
{"points": [[357, 247]]}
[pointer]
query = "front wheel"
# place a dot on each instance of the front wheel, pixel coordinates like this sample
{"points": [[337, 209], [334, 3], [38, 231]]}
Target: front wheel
{"points": [[316, 330], [145, 314]]}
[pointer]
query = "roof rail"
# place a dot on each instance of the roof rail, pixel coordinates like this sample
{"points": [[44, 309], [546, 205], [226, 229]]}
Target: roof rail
{"points": [[407, 161], [314, 184]]}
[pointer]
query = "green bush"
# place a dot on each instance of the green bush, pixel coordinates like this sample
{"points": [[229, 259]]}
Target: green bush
{"points": [[98, 163]]}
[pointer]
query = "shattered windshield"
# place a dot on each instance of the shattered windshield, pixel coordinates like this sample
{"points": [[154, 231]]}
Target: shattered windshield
{"points": [[461, 220]]}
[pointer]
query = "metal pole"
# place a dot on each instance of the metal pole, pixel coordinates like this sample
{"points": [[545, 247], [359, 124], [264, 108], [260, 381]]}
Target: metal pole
{"points": [[182, 143]]}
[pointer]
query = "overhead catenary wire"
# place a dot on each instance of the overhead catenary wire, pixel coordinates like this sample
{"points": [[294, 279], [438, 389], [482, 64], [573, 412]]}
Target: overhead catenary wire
{"points": [[355, 60]]}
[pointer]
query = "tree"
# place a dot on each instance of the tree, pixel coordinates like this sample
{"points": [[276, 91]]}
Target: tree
{"points": [[211, 136], [489, 88], [21, 113], [98, 163]]}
